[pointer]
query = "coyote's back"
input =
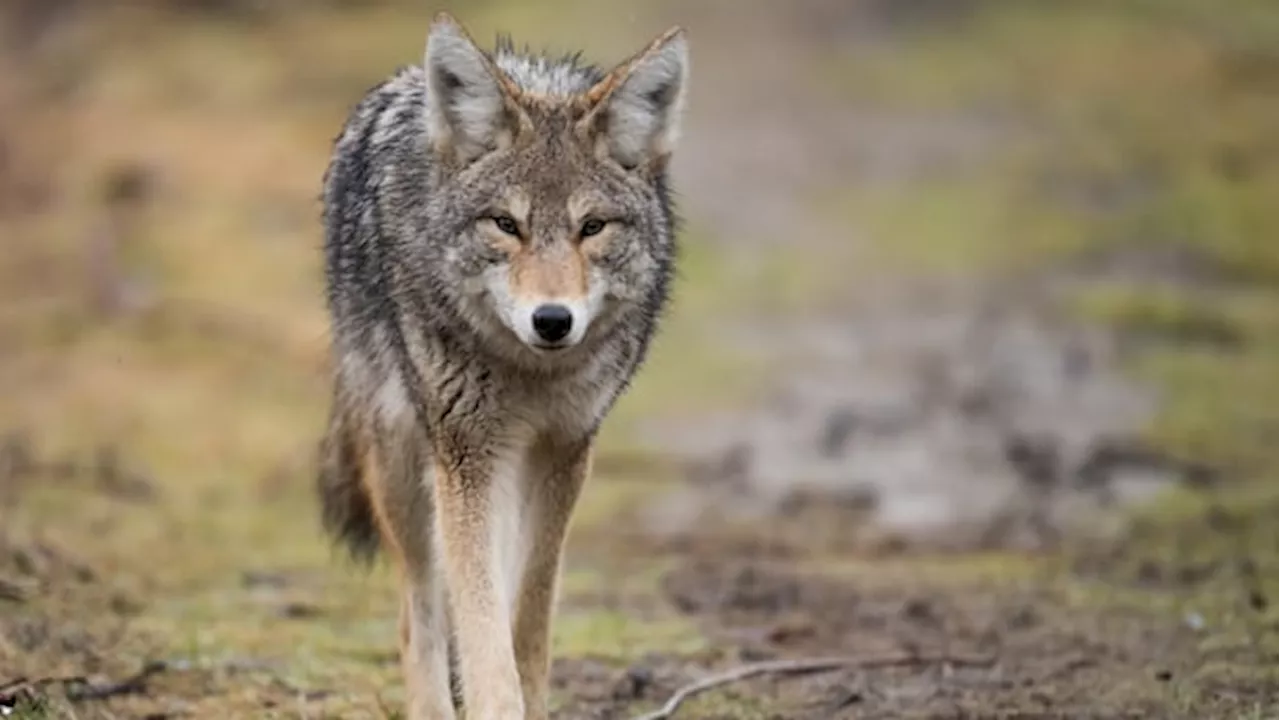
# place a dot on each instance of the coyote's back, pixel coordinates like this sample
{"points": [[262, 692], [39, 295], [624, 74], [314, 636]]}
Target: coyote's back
{"points": [[498, 247]]}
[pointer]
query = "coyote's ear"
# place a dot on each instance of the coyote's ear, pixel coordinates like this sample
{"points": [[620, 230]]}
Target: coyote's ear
{"points": [[469, 106], [637, 107]]}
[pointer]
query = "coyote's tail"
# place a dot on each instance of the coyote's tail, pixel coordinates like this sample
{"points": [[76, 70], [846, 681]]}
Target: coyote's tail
{"points": [[346, 510]]}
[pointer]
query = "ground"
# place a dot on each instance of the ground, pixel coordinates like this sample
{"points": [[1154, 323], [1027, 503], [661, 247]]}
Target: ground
{"points": [[967, 379]]}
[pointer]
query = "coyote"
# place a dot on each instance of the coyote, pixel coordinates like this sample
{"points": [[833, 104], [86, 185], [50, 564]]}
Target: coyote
{"points": [[499, 240]]}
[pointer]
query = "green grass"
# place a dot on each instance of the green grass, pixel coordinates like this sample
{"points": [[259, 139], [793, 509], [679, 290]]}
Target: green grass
{"points": [[621, 637]]}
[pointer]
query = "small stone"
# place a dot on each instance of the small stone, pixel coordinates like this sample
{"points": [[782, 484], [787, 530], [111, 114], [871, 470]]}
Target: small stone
{"points": [[633, 684], [847, 698], [299, 610]]}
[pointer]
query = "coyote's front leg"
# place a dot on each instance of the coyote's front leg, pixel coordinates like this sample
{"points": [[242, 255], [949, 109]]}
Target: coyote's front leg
{"points": [[468, 521], [396, 474], [555, 475]]}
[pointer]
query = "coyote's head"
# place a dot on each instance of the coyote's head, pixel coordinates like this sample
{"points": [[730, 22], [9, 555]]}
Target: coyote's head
{"points": [[548, 185]]}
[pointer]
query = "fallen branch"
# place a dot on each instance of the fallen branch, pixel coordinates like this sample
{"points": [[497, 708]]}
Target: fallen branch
{"points": [[23, 690], [805, 667], [11, 591], [23, 684], [132, 685], [77, 688], [15, 686]]}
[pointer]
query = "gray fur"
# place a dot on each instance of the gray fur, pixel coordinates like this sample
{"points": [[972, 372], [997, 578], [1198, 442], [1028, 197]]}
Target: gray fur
{"points": [[562, 76]]}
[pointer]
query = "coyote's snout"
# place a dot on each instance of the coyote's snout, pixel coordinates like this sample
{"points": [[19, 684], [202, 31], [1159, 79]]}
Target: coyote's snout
{"points": [[498, 245], [545, 289]]}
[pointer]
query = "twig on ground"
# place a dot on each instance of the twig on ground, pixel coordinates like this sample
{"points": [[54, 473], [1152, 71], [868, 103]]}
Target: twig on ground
{"points": [[11, 591], [78, 688], [21, 684], [15, 686], [23, 690], [136, 683], [804, 667]]}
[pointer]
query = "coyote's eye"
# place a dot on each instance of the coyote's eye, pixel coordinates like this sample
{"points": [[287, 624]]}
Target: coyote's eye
{"points": [[506, 224], [591, 226]]}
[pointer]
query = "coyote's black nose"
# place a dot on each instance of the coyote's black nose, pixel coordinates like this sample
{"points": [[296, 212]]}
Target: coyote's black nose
{"points": [[552, 322]]}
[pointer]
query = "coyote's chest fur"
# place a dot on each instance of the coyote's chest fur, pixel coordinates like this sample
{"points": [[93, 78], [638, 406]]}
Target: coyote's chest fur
{"points": [[563, 405]]}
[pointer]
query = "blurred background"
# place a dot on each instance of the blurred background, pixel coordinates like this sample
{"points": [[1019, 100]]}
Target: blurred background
{"points": [[970, 362]]}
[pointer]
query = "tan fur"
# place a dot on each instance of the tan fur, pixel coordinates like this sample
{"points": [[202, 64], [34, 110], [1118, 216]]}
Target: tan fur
{"points": [[558, 480], [559, 272], [500, 606]]}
